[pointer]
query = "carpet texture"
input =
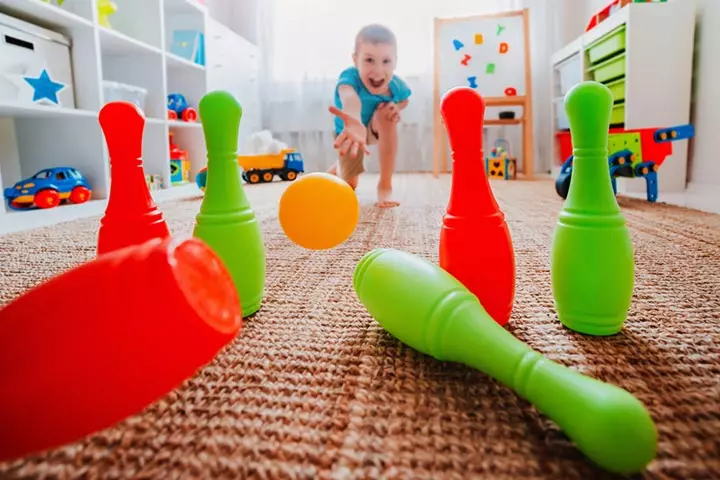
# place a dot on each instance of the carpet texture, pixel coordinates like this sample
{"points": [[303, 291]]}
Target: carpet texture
{"points": [[314, 387]]}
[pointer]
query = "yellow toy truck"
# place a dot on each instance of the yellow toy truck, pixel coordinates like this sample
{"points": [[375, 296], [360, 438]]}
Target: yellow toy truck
{"points": [[263, 168]]}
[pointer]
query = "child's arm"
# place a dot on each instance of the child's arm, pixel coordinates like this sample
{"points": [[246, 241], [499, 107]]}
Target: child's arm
{"points": [[403, 104], [354, 135], [350, 101]]}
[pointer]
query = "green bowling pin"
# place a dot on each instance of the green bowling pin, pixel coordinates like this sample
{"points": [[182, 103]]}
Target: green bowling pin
{"points": [[592, 266], [226, 220], [428, 309]]}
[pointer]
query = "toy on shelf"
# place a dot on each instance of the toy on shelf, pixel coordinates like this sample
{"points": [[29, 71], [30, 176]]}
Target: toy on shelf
{"points": [[35, 64], [178, 108], [47, 188], [154, 182], [632, 153], [500, 164], [179, 164], [189, 44], [105, 9]]}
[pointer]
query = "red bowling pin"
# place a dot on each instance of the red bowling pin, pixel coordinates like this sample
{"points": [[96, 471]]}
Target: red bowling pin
{"points": [[104, 340], [475, 243], [131, 217]]}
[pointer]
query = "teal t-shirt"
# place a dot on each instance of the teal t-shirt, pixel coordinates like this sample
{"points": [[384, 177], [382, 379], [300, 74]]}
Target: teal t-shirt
{"points": [[399, 91]]}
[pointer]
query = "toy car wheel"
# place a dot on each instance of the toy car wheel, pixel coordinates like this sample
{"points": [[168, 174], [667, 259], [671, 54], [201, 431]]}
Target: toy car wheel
{"points": [[47, 198], [172, 115], [562, 184], [267, 177], [189, 115], [291, 175], [79, 194], [254, 177]]}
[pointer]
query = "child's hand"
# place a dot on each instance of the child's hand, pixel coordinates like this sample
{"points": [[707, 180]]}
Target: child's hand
{"points": [[390, 111], [354, 134]]}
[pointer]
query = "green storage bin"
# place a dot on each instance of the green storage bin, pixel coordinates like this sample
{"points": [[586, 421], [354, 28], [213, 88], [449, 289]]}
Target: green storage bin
{"points": [[607, 46], [617, 88], [617, 116], [609, 70]]}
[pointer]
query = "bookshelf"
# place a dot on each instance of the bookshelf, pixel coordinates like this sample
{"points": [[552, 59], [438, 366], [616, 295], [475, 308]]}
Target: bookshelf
{"points": [[653, 58], [135, 51]]}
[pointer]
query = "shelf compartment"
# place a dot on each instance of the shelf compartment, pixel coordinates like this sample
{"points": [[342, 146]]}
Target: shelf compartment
{"points": [[113, 42], [189, 24], [144, 71], [188, 7], [156, 152], [41, 111], [609, 70], [31, 144], [138, 20], [617, 88], [179, 63], [15, 220], [193, 141], [72, 14], [611, 44]]}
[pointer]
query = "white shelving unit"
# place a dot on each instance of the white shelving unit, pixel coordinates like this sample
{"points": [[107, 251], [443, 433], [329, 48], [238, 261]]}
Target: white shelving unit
{"points": [[658, 56], [135, 51]]}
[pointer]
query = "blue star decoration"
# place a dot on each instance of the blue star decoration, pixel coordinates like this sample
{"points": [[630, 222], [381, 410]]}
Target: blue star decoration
{"points": [[44, 87]]}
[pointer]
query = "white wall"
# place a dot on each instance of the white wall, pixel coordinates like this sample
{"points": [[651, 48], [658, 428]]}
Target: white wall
{"points": [[705, 147]]}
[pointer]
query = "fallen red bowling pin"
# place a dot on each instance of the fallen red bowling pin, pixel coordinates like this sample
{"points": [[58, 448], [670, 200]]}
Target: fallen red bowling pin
{"points": [[475, 243], [131, 216], [104, 340]]}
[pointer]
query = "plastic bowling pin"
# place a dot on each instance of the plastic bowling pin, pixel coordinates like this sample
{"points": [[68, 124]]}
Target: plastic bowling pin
{"points": [[428, 309], [131, 216], [226, 220], [104, 340], [592, 265], [475, 242]]}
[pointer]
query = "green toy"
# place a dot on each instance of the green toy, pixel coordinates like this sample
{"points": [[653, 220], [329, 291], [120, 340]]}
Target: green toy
{"points": [[226, 220], [592, 266], [428, 309], [105, 9]]}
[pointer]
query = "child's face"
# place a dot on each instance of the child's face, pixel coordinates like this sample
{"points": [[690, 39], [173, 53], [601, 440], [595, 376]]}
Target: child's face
{"points": [[376, 64]]}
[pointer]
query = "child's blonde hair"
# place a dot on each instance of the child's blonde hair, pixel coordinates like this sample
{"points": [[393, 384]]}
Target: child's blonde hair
{"points": [[375, 34]]}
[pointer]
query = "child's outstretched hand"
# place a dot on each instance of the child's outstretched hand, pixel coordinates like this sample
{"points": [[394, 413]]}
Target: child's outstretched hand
{"points": [[354, 134]]}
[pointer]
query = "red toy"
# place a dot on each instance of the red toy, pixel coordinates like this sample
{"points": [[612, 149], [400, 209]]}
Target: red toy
{"points": [[475, 242], [102, 341], [131, 216]]}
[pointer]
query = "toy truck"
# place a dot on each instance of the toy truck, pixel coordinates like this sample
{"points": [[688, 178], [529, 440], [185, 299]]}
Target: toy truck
{"points": [[263, 168], [632, 153]]}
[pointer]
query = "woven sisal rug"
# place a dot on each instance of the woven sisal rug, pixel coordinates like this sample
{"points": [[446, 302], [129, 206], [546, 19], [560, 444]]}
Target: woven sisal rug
{"points": [[314, 388]]}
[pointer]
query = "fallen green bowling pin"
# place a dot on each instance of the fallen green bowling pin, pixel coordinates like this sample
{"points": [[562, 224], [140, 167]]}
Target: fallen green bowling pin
{"points": [[226, 221], [592, 266], [428, 309]]}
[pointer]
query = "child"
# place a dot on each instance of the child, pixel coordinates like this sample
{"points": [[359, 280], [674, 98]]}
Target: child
{"points": [[368, 101]]}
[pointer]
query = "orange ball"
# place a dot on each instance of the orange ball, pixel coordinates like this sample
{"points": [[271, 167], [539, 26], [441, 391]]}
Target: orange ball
{"points": [[318, 211]]}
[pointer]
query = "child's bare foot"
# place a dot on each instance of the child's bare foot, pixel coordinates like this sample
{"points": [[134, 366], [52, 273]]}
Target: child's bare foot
{"points": [[385, 199]]}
